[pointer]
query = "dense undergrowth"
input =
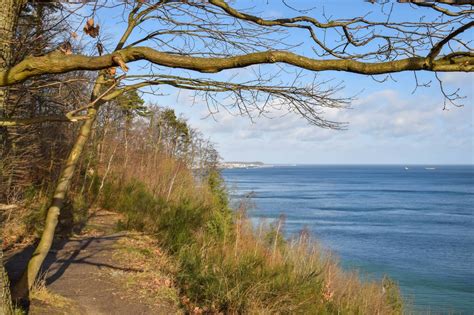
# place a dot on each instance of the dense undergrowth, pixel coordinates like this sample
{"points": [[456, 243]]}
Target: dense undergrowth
{"points": [[26, 222], [226, 265]]}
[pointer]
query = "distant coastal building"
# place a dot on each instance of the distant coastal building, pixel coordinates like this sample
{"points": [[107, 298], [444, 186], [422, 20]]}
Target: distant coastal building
{"points": [[235, 164]]}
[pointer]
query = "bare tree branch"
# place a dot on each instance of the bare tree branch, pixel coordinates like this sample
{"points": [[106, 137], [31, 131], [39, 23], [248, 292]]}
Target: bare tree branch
{"points": [[58, 63]]}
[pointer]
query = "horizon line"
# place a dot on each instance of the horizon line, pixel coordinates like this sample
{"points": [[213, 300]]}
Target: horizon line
{"points": [[356, 164]]}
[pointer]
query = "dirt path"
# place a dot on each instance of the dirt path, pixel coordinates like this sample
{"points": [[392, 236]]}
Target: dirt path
{"points": [[81, 270]]}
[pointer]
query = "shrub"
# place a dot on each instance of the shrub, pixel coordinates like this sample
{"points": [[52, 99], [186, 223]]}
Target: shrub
{"points": [[228, 266]]}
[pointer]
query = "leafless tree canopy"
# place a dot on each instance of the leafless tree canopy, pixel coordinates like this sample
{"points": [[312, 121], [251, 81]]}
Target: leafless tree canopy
{"points": [[216, 35]]}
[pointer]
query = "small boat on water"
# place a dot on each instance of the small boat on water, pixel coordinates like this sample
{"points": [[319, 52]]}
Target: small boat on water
{"points": [[406, 168], [430, 168]]}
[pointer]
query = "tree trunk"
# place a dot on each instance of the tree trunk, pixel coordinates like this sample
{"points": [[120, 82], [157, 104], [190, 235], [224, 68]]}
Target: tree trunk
{"points": [[9, 13], [22, 288], [5, 303]]}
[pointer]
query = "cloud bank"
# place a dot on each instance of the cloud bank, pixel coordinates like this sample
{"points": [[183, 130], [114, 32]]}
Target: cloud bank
{"points": [[384, 127]]}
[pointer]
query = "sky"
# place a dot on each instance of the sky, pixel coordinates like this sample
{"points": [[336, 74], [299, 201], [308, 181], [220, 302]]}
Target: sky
{"points": [[388, 123]]}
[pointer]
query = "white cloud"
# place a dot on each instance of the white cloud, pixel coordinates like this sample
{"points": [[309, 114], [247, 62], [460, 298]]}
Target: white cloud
{"points": [[459, 79], [384, 126]]}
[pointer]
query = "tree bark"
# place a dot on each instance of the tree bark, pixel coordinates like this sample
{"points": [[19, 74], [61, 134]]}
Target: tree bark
{"points": [[57, 62], [9, 13]]}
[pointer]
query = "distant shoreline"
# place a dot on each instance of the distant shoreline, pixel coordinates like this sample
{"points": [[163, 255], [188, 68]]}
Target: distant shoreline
{"points": [[261, 164], [239, 164]]}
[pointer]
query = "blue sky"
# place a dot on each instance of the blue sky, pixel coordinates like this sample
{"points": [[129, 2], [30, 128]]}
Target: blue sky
{"points": [[388, 124]]}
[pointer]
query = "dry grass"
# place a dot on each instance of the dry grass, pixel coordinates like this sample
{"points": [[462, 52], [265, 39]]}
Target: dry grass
{"points": [[261, 273], [214, 256], [16, 228], [155, 280], [24, 222], [220, 263], [40, 293]]}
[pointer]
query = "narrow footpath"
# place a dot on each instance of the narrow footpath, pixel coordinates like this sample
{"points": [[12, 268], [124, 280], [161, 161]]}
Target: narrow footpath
{"points": [[83, 275]]}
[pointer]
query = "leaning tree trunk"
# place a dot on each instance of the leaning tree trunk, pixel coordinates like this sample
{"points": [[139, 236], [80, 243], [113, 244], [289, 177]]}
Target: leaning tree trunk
{"points": [[22, 287], [9, 13]]}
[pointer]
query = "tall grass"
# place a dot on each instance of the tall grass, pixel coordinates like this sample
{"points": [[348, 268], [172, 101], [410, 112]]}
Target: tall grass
{"points": [[226, 265]]}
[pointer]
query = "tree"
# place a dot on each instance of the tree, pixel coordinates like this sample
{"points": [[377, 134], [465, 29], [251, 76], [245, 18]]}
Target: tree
{"points": [[9, 13], [29, 152], [207, 37]]}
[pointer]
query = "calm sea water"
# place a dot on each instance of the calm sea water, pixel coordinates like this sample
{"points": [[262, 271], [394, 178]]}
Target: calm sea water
{"points": [[414, 225]]}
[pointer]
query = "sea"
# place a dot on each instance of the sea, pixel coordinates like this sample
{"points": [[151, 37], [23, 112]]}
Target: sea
{"points": [[412, 223]]}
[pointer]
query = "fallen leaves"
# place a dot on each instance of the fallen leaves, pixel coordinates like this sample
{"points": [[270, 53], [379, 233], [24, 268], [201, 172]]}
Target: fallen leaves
{"points": [[154, 282]]}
